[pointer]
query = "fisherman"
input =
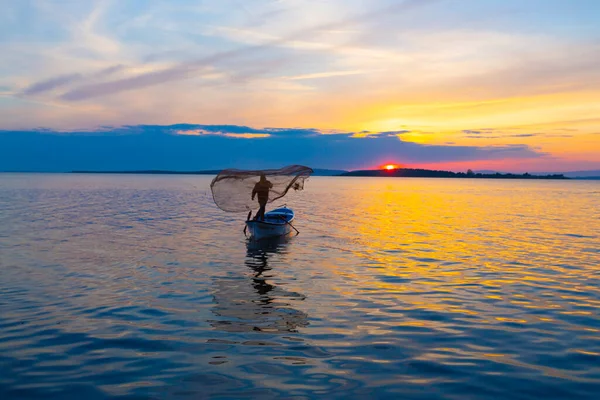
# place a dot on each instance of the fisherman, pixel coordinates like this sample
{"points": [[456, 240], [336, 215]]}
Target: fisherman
{"points": [[261, 190]]}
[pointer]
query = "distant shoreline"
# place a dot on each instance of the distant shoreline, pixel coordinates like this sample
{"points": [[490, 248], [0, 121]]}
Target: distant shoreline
{"points": [[398, 173], [426, 173]]}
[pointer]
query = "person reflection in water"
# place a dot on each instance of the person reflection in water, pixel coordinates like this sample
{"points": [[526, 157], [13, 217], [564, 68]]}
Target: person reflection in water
{"points": [[261, 190], [256, 304]]}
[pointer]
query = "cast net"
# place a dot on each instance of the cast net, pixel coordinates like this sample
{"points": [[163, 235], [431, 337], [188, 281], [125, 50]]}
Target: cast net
{"points": [[232, 189]]}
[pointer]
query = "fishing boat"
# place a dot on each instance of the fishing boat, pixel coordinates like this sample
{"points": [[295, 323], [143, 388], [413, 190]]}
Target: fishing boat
{"points": [[234, 190], [277, 222]]}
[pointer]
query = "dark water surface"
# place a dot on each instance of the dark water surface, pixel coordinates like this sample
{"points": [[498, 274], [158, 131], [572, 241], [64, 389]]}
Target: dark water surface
{"points": [[139, 287]]}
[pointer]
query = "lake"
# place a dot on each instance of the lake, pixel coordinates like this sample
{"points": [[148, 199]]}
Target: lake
{"points": [[138, 286]]}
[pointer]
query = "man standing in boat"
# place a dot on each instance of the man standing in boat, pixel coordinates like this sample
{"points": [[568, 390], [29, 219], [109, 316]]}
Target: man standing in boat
{"points": [[261, 190]]}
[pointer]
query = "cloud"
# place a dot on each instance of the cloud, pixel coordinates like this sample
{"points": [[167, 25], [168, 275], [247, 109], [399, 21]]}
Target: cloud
{"points": [[369, 134], [68, 79], [237, 130], [50, 84], [321, 75], [486, 133], [246, 135], [395, 133], [193, 147], [189, 69], [500, 133], [119, 85], [489, 133], [110, 70]]}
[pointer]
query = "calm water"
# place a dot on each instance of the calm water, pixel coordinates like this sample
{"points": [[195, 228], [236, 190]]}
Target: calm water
{"points": [[139, 287]]}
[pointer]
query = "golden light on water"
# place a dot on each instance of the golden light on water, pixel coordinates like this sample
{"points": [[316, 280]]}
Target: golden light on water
{"points": [[416, 248]]}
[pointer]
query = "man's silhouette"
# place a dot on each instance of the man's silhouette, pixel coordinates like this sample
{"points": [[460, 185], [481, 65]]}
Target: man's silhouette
{"points": [[261, 190]]}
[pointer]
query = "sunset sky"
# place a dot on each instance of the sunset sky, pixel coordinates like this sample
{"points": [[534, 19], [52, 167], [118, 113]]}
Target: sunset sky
{"points": [[509, 85]]}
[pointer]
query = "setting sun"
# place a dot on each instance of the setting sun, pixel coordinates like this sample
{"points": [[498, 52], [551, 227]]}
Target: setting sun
{"points": [[390, 167]]}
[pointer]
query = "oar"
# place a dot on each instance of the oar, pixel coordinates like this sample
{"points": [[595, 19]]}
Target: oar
{"points": [[290, 224], [247, 219]]}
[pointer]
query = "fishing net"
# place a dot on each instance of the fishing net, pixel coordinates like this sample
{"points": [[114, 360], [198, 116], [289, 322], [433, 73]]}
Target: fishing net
{"points": [[232, 189]]}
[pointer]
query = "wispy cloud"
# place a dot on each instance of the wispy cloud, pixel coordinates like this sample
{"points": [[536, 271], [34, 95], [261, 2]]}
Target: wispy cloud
{"points": [[240, 131], [199, 132], [50, 84], [190, 69], [500, 133], [110, 70], [524, 135], [320, 75]]}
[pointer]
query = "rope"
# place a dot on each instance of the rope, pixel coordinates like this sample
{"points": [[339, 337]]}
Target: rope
{"points": [[290, 224]]}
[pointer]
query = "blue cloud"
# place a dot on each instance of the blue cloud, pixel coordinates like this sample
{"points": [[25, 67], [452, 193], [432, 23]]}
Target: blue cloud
{"points": [[159, 147]]}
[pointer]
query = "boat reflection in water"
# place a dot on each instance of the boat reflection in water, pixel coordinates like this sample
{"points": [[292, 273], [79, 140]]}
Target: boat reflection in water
{"points": [[253, 303]]}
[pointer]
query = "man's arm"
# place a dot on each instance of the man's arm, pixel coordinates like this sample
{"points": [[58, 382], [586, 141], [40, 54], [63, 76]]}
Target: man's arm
{"points": [[253, 192]]}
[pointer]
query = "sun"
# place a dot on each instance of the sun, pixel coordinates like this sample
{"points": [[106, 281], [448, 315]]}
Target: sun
{"points": [[390, 167]]}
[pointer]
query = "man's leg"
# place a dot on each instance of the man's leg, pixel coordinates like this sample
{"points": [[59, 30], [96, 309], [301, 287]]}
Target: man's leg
{"points": [[261, 211]]}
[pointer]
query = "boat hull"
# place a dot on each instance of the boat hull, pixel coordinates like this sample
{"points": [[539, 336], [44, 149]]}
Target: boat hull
{"points": [[276, 223]]}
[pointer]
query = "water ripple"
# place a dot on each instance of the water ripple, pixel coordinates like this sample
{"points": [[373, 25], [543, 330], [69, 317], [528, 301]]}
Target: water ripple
{"points": [[138, 287]]}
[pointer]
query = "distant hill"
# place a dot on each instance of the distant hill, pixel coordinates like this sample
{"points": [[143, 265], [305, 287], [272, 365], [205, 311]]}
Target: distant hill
{"points": [[426, 173], [592, 174], [402, 172], [583, 174], [328, 172]]}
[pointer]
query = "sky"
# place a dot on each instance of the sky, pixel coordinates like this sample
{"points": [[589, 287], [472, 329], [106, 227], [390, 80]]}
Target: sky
{"points": [[505, 85]]}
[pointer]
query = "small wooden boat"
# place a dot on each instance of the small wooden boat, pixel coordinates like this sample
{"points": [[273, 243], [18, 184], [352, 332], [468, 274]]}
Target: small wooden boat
{"points": [[276, 223], [234, 190]]}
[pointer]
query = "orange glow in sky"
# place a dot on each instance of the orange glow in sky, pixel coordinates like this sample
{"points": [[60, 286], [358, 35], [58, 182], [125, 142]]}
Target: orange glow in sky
{"points": [[390, 167]]}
